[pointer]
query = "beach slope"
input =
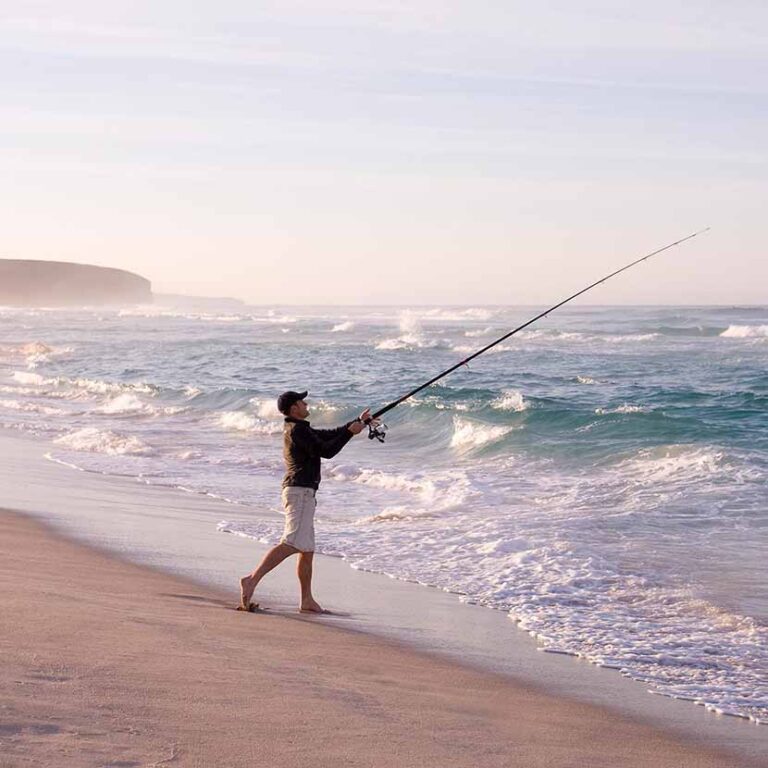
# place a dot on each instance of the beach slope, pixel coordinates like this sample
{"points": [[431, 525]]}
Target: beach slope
{"points": [[107, 663]]}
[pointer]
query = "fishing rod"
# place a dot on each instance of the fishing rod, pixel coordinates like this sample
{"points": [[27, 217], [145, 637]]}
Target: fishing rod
{"points": [[379, 432]]}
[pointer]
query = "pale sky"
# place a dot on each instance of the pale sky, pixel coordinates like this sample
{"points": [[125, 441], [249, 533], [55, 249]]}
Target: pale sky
{"points": [[391, 152]]}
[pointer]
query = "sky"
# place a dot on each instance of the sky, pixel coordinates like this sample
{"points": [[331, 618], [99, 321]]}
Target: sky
{"points": [[391, 152]]}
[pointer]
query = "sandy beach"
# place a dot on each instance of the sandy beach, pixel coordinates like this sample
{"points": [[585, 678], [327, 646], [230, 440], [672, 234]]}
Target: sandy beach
{"points": [[450, 310], [107, 663]]}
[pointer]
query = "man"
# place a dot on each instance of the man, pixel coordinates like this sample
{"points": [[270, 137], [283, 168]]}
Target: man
{"points": [[303, 447]]}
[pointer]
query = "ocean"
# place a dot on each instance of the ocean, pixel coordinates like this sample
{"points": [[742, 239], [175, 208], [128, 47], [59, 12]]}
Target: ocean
{"points": [[600, 477]]}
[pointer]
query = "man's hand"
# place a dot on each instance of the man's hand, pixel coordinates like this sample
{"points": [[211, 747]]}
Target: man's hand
{"points": [[365, 417], [356, 427]]}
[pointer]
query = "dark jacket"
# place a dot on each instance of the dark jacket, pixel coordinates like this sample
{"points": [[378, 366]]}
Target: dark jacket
{"points": [[304, 446]]}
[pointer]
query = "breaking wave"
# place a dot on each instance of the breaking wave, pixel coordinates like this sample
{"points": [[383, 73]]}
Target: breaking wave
{"points": [[237, 421], [32, 353], [127, 403], [468, 435], [97, 441], [745, 332], [156, 312], [45, 410], [511, 400], [411, 335], [74, 388], [480, 332], [23, 377], [580, 337], [267, 409]]}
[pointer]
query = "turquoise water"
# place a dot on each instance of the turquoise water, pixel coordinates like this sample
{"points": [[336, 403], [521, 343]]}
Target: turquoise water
{"points": [[601, 476]]}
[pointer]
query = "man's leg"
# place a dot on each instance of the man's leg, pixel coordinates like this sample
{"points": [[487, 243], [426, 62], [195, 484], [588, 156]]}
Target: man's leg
{"points": [[271, 560], [308, 603]]}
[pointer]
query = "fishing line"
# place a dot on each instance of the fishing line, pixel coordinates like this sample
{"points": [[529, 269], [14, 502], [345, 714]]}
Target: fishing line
{"points": [[379, 432]]}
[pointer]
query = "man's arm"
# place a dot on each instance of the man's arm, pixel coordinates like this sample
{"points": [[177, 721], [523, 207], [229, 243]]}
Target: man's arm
{"points": [[329, 434], [326, 442]]}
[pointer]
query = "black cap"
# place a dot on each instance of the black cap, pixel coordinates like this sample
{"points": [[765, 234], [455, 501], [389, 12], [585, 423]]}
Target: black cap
{"points": [[287, 399]]}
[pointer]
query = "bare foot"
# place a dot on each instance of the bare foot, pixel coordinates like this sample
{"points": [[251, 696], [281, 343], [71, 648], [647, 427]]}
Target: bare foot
{"points": [[311, 606], [246, 593]]}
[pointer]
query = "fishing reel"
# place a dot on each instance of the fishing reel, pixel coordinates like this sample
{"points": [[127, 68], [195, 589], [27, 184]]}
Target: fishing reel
{"points": [[377, 433]]}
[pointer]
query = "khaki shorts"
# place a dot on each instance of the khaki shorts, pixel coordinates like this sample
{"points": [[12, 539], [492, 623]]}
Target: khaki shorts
{"points": [[299, 506]]}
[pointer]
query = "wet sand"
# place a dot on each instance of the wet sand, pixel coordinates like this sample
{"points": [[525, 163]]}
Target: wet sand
{"points": [[108, 663]]}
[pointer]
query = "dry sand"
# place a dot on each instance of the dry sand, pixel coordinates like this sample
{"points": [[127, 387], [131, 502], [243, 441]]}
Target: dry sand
{"points": [[106, 663]]}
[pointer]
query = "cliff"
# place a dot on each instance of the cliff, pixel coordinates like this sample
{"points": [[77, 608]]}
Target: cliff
{"points": [[56, 283]]}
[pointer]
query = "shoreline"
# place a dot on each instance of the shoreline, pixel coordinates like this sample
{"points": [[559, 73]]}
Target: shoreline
{"points": [[176, 532], [113, 661]]}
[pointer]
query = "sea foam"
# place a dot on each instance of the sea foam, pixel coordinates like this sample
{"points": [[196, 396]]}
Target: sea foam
{"points": [[745, 332], [126, 402], [479, 332], [17, 405], [33, 353], [266, 408], [237, 421], [75, 388], [411, 335], [24, 377], [626, 408], [675, 462], [422, 486], [472, 434], [103, 441], [511, 400]]}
